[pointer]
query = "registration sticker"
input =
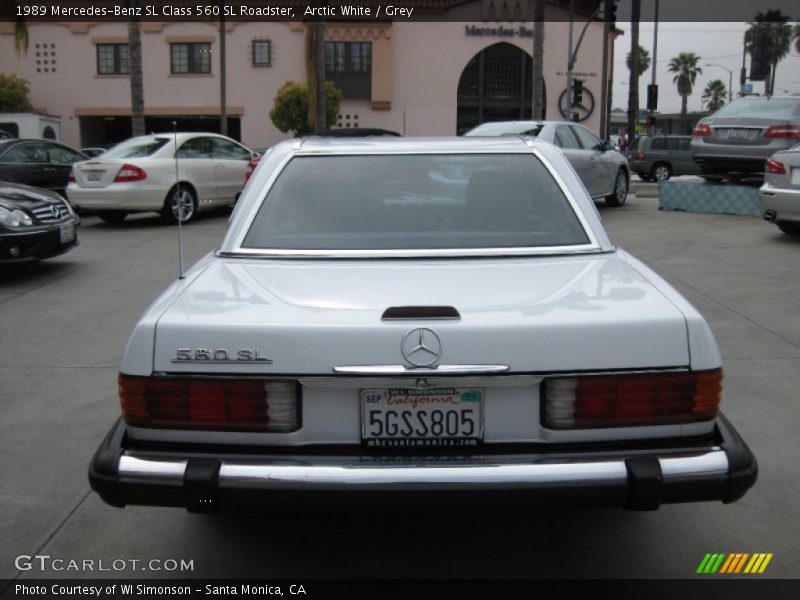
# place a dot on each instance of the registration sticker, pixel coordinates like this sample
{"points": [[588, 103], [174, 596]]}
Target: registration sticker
{"points": [[420, 418]]}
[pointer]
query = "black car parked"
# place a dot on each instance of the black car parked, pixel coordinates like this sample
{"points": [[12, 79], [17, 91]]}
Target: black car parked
{"points": [[39, 163], [34, 224]]}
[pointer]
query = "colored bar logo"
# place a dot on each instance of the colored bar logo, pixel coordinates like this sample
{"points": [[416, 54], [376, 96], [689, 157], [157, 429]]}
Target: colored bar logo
{"points": [[734, 563]]}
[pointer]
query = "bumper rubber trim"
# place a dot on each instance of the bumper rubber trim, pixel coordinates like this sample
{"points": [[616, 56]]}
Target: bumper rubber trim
{"points": [[645, 481]]}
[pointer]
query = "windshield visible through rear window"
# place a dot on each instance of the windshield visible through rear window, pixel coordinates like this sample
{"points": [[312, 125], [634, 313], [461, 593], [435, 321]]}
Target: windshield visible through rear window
{"points": [[136, 148], [492, 129], [414, 202], [778, 108]]}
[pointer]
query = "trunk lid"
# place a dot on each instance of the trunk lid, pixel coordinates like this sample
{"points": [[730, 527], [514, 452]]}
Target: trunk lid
{"points": [[538, 314], [96, 173]]}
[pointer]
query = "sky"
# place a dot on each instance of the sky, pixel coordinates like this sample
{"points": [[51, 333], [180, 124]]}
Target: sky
{"points": [[718, 43]]}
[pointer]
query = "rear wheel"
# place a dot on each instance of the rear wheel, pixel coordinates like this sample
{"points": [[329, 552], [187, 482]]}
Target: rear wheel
{"points": [[181, 201], [661, 172], [115, 217], [789, 228], [620, 193]]}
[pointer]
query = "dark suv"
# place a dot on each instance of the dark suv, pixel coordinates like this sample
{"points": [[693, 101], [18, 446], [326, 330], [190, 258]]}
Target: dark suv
{"points": [[659, 157]]}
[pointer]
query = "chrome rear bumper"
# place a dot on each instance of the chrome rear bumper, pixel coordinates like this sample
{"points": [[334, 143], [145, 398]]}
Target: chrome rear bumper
{"points": [[638, 478]]}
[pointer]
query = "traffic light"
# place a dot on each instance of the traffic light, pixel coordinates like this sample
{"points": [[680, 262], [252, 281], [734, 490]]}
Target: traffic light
{"points": [[759, 56], [652, 97], [577, 91]]}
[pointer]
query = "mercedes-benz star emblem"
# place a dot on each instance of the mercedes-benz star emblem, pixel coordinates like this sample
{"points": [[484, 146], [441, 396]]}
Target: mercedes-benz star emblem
{"points": [[579, 111], [56, 210], [421, 347]]}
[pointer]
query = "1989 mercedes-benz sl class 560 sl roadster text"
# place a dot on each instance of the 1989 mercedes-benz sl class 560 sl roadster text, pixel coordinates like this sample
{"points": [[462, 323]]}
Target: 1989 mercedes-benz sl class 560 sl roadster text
{"points": [[422, 318]]}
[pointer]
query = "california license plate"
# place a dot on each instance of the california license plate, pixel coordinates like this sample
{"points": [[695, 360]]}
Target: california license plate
{"points": [[419, 418], [738, 134], [93, 175], [67, 233]]}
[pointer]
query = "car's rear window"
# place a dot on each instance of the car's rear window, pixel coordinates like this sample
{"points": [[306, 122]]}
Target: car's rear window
{"points": [[493, 129], [778, 108], [136, 148], [414, 202]]}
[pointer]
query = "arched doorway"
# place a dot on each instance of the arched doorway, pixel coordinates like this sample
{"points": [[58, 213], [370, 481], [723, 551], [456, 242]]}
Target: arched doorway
{"points": [[495, 86]]}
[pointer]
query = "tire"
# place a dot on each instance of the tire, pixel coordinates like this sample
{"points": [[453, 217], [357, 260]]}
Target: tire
{"points": [[620, 193], [188, 199], [661, 172], [113, 217], [789, 228]]}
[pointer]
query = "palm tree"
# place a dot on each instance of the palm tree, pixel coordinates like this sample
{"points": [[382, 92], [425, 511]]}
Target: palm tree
{"points": [[8, 11], [768, 40], [315, 73], [633, 74], [686, 71], [714, 95], [643, 61], [796, 35], [537, 73], [136, 75]]}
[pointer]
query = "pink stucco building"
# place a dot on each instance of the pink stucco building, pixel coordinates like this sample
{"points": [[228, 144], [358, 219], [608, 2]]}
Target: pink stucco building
{"points": [[416, 78]]}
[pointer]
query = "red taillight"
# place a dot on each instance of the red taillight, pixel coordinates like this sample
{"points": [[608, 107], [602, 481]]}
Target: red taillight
{"points": [[701, 130], [784, 132], [71, 176], [130, 173], [210, 404], [251, 166], [641, 156], [629, 400], [773, 166]]}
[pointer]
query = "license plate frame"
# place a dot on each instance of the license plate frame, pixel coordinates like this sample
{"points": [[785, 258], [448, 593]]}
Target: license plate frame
{"points": [[414, 425], [93, 176], [66, 233], [738, 134]]}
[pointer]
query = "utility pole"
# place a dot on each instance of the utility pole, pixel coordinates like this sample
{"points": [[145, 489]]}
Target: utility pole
{"points": [[569, 61], [223, 100], [653, 65]]}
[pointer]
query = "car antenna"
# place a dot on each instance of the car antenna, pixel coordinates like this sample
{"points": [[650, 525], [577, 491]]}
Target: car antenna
{"points": [[180, 206]]}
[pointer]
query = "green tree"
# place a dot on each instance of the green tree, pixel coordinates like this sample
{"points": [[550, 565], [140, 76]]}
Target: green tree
{"points": [[768, 40], [8, 12], [644, 61], [15, 95], [714, 95], [686, 71], [290, 112]]}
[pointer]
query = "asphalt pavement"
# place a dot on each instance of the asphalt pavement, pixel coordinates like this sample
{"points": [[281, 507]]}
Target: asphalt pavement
{"points": [[64, 323]]}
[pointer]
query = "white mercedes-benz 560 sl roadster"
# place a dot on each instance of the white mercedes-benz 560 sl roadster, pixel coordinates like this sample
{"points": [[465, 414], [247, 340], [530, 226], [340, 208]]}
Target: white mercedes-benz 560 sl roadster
{"points": [[425, 320]]}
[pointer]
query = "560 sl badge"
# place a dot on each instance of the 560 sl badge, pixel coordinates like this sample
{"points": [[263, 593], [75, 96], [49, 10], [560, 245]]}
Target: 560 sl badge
{"points": [[220, 355]]}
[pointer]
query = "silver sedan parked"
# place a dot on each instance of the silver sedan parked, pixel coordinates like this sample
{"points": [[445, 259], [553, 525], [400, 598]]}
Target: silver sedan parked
{"points": [[780, 195], [603, 171], [735, 141]]}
